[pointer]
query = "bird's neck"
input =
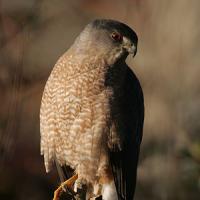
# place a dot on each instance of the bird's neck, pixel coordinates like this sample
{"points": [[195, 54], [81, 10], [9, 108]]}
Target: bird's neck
{"points": [[87, 63]]}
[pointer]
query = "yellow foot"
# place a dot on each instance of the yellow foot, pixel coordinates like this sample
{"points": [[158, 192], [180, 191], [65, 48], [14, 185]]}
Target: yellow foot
{"points": [[68, 183]]}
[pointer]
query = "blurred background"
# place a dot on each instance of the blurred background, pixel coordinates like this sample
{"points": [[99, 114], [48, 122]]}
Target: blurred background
{"points": [[34, 33]]}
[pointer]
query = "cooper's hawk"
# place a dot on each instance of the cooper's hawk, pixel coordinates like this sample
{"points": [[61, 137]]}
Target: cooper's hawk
{"points": [[92, 112]]}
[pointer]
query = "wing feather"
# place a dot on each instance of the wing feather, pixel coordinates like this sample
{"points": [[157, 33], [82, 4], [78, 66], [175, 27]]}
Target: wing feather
{"points": [[124, 160]]}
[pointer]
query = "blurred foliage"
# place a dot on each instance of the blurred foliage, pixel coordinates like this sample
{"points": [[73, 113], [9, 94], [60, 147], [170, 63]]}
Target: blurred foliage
{"points": [[33, 34]]}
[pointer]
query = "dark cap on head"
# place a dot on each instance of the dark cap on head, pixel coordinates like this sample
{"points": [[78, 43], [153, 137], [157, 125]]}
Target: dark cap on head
{"points": [[115, 25]]}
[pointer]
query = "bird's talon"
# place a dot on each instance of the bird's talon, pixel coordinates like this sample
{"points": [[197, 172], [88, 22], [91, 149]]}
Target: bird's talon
{"points": [[66, 187], [57, 193]]}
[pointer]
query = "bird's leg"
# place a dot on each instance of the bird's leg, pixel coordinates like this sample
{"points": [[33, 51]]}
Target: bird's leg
{"points": [[68, 183]]}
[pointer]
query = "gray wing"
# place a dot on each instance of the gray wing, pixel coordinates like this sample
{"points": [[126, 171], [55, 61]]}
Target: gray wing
{"points": [[130, 127]]}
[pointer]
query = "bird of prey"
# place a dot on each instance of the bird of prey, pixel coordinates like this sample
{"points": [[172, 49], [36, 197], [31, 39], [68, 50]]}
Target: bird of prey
{"points": [[92, 112]]}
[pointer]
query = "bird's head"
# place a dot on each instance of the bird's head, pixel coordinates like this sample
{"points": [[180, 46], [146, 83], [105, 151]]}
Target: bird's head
{"points": [[112, 39]]}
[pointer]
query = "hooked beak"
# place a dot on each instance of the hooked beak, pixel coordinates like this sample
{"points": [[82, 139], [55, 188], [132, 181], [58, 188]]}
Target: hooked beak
{"points": [[132, 50], [129, 46]]}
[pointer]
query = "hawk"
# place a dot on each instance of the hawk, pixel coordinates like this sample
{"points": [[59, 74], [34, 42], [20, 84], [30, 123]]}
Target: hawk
{"points": [[92, 112]]}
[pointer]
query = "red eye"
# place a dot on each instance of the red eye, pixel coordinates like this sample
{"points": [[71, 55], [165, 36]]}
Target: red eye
{"points": [[116, 36]]}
